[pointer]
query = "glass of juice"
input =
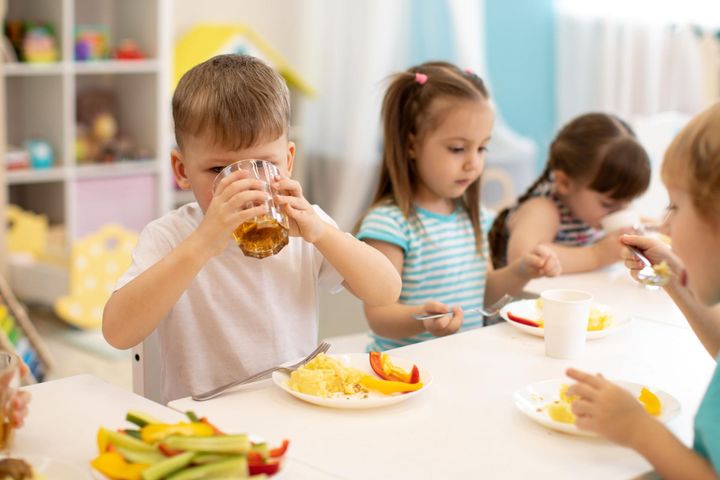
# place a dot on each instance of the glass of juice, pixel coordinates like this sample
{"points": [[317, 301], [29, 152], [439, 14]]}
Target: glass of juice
{"points": [[268, 233]]}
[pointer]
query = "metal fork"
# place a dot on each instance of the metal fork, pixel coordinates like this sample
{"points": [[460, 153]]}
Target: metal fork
{"points": [[322, 348], [488, 312], [648, 275]]}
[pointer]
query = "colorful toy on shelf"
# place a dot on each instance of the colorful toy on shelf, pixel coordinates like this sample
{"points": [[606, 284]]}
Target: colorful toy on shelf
{"points": [[27, 232], [17, 334], [129, 49], [96, 263], [17, 158], [39, 44], [41, 153], [91, 42]]}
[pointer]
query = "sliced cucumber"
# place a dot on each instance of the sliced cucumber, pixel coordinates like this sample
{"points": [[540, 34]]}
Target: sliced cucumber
{"points": [[129, 443], [233, 467], [218, 444], [167, 467], [140, 419], [203, 458]]}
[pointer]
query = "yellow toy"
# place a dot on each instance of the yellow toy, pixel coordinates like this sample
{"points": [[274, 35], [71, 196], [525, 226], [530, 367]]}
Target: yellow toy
{"points": [[96, 263], [204, 41], [27, 233]]}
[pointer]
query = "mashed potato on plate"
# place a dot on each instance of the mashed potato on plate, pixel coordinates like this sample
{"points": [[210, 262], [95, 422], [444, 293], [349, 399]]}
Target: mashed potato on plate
{"points": [[325, 376]]}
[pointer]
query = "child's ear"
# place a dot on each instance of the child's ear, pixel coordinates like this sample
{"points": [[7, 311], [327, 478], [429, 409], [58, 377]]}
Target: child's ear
{"points": [[563, 183], [179, 169], [290, 157]]}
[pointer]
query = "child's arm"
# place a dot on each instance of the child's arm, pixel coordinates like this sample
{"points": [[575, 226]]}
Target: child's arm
{"points": [[396, 320], [704, 320], [133, 311], [614, 413], [367, 273], [541, 261], [537, 222]]}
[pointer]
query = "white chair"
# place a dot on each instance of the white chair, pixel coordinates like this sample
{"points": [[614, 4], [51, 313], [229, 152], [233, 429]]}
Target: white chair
{"points": [[146, 369]]}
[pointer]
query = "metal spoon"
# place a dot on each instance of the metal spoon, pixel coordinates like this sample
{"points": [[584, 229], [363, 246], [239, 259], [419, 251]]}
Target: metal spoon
{"points": [[648, 275]]}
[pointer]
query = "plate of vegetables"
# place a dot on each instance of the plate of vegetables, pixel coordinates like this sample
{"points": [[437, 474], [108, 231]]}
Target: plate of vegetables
{"points": [[355, 381], [154, 450], [526, 315]]}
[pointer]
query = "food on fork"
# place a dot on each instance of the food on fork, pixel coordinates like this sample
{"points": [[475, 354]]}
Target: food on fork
{"points": [[328, 377], [663, 270]]}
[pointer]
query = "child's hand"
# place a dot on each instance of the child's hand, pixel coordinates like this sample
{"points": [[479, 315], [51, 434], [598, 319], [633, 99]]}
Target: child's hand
{"points": [[442, 326], [609, 249], [606, 409], [236, 200], [19, 400], [655, 250], [541, 261], [304, 221]]}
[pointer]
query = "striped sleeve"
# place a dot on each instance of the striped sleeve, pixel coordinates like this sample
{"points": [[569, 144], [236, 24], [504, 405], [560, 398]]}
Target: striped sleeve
{"points": [[385, 223]]}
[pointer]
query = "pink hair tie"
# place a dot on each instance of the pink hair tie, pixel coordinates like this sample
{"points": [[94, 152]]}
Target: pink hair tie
{"points": [[470, 71], [420, 78]]}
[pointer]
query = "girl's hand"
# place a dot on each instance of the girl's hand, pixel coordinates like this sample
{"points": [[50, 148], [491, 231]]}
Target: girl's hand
{"points": [[304, 221], [655, 250], [236, 200], [541, 261], [607, 409], [19, 400], [442, 326], [609, 249]]}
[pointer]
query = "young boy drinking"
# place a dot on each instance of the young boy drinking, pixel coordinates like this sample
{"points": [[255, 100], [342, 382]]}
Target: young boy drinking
{"points": [[221, 315]]}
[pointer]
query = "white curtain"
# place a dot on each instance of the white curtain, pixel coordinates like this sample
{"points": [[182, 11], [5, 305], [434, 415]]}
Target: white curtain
{"points": [[353, 47], [627, 66]]}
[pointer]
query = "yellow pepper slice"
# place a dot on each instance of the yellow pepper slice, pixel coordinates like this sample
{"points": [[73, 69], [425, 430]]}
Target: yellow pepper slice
{"points": [[113, 465], [388, 387], [156, 432]]}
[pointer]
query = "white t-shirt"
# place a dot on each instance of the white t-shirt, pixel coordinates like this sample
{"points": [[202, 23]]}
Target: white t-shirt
{"points": [[239, 315]]}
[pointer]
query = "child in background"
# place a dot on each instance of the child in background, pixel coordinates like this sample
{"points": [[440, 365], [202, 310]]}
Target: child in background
{"points": [[596, 167], [426, 215], [691, 173], [220, 315]]}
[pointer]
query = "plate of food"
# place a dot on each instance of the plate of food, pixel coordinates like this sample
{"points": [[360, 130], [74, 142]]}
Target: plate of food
{"points": [[548, 404], [192, 449], [355, 381], [526, 315], [39, 467]]}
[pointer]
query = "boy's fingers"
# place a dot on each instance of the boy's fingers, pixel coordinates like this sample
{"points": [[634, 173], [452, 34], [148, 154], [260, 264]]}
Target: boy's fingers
{"points": [[582, 389], [592, 380]]}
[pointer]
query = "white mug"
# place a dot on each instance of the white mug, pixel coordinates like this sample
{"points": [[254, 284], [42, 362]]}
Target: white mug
{"points": [[565, 317]]}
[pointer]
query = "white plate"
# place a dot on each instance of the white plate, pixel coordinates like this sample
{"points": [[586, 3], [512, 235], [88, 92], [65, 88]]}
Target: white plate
{"points": [[531, 400], [528, 309], [51, 468], [361, 361]]}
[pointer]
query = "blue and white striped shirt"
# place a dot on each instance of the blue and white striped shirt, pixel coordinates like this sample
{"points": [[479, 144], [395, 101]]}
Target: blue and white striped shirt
{"points": [[441, 261]]}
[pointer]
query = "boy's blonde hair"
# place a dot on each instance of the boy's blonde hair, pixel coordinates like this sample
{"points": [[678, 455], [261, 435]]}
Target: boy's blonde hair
{"points": [[692, 163], [238, 100]]}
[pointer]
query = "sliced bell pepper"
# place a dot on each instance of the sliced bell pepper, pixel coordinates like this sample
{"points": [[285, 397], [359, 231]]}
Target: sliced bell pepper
{"points": [[280, 451], [215, 429], [388, 386], [269, 468], [156, 432], [522, 320], [167, 451], [113, 465], [385, 369]]}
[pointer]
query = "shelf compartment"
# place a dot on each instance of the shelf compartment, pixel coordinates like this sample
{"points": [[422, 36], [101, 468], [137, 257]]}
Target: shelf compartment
{"points": [[33, 175], [50, 11], [47, 198]]}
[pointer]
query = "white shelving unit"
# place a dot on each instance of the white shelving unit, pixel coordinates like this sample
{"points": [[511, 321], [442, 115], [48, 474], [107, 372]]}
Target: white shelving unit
{"points": [[41, 103]]}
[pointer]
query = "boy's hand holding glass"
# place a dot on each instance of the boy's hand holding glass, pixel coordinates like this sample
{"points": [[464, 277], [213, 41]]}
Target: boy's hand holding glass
{"points": [[304, 221], [446, 325], [607, 409], [242, 204]]}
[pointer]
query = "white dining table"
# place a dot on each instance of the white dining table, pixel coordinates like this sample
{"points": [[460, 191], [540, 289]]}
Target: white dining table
{"points": [[466, 425], [65, 414], [614, 286]]}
